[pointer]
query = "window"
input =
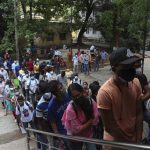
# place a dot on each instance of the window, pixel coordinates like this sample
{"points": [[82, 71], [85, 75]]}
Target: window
{"points": [[62, 36], [50, 37]]}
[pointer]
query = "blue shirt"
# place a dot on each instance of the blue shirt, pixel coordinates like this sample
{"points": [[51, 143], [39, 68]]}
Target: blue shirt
{"points": [[42, 108], [17, 68], [56, 110]]}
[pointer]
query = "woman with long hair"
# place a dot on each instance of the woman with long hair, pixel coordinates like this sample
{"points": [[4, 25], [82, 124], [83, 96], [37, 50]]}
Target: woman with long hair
{"points": [[80, 116]]}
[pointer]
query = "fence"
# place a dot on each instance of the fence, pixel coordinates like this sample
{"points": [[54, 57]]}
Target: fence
{"points": [[79, 139]]}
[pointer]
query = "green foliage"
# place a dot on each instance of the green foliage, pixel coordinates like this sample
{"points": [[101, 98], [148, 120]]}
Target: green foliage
{"points": [[127, 19]]}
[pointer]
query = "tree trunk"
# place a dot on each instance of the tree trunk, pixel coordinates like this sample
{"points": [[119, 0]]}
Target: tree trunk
{"points": [[114, 29], [83, 28], [23, 5], [30, 3], [2, 26]]}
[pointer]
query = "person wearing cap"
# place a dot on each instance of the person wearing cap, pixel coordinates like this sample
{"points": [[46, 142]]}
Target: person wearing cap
{"points": [[119, 100]]}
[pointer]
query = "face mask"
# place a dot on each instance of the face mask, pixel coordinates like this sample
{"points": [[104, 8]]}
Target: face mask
{"points": [[79, 101], [51, 72], [32, 78], [138, 70], [127, 74]]}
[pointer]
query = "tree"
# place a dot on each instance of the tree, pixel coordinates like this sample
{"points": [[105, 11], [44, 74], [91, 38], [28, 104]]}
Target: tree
{"points": [[122, 25]]}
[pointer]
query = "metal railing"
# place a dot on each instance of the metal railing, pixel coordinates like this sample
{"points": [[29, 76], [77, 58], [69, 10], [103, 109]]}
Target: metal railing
{"points": [[80, 139]]}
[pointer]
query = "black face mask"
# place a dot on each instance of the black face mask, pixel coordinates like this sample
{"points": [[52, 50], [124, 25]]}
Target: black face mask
{"points": [[127, 74], [84, 103], [79, 101]]}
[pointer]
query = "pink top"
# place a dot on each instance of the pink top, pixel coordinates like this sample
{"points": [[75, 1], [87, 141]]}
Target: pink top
{"points": [[73, 124]]}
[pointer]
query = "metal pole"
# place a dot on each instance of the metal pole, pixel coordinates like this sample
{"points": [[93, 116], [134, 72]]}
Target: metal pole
{"points": [[71, 27], [16, 30], [27, 139], [145, 32]]}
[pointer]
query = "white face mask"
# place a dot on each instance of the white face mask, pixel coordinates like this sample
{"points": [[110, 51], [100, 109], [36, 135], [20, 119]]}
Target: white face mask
{"points": [[51, 72], [139, 70]]}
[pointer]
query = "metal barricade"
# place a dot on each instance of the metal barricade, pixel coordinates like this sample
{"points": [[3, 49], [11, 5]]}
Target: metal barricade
{"points": [[52, 136]]}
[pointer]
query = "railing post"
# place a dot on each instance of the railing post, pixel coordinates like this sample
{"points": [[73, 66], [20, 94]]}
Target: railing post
{"points": [[50, 142], [28, 144]]}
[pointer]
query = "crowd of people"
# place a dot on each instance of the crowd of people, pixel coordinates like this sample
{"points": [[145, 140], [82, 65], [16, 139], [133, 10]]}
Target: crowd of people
{"points": [[60, 102]]}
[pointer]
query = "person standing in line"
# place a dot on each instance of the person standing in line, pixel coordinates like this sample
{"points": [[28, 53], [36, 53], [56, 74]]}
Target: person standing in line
{"points": [[32, 85], [24, 112], [104, 56], [4, 73], [13, 66], [62, 79], [75, 63], [25, 89], [36, 69], [86, 60], [80, 116], [6, 66], [56, 108], [145, 89], [81, 61], [120, 99], [29, 65], [69, 58], [96, 61]]}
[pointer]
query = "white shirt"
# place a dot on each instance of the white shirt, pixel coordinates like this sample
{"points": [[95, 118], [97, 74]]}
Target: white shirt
{"points": [[5, 74], [53, 77], [5, 65], [62, 80], [32, 84], [75, 60], [6, 90], [24, 81], [76, 81], [92, 48], [58, 53], [25, 112], [13, 66]]}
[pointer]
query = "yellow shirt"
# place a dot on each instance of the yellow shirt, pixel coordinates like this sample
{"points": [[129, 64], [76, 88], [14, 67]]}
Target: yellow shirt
{"points": [[36, 68]]}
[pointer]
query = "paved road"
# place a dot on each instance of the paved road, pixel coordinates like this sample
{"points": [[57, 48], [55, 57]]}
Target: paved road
{"points": [[10, 137]]}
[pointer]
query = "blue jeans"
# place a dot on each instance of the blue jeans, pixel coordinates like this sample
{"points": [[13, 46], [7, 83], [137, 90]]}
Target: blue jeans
{"points": [[86, 68], [96, 65], [147, 119], [90, 146], [43, 139]]}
